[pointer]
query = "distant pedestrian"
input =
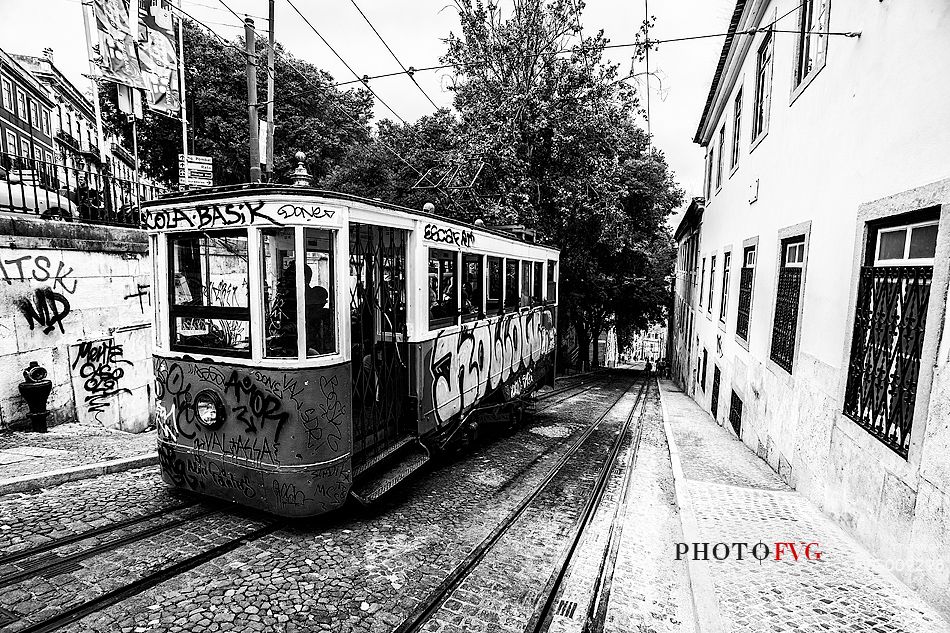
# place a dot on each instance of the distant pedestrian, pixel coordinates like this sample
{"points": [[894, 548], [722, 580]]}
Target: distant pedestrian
{"points": [[648, 367]]}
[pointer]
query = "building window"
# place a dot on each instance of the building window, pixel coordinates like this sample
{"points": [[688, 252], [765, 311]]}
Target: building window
{"points": [[712, 283], [11, 144], [495, 285], [472, 287], [889, 324], [705, 365], [746, 277], [787, 298], [46, 123], [34, 115], [719, 160], [736, 128], [724, 302], [714, 404], [735, 413], [443, 293], [763, 88], [708, 182], [7, 95], [20, 104], [702, 282], [812, 38]]}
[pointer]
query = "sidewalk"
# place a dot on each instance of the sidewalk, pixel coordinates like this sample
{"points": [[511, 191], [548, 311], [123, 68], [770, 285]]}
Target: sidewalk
{"points": [[728, 495], [69, 451]]}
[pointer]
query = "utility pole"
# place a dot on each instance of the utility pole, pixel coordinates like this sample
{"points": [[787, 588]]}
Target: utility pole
{"points": [[270, 91], [250, 41], [185, 181], [646, 33]]}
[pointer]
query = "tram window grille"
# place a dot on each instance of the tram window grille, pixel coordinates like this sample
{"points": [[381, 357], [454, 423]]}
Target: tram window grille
{"points": [[552, 280], [512, 285], [495, 285], [735, 413], [526, 278], [787, 298], [714, 405], [209, 303], [472, 287], [746, 277], [889, 325], [443, 289]]}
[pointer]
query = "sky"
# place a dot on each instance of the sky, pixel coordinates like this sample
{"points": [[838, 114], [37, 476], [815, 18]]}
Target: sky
{"points": [[415, 30]]}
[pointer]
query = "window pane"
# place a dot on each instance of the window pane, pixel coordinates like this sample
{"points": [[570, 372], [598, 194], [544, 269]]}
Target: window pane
{"points": [[923, 242], [443, 295], [892, 244], [319, 292], [280, 293], [525, 284], [511, 283], [537, 291], [471, 286], [552, 280], [494, 284], [225, 335]]}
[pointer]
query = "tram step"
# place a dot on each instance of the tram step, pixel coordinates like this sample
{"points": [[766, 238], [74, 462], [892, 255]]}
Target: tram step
{"points": [[371, 488], [390, 450]]}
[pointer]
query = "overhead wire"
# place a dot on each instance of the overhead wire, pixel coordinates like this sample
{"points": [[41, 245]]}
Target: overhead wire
{"points": [[410, 71]]}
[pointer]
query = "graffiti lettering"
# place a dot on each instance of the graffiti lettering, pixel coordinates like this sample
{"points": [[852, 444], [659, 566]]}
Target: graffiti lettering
{"points": [[238, 446], [252, 400], [293, 212], [466, 365], [38, 268], [99, 366], [142, 291], [207, 216], [288, 494], [48, 310], [449, 236]]}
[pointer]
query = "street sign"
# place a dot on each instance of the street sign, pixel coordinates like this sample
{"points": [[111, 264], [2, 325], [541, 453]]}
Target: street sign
{"points": [[199, 171]]}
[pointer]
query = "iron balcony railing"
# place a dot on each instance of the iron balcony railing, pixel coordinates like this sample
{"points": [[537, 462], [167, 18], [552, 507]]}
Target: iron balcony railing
{"points": [[58, 192]]}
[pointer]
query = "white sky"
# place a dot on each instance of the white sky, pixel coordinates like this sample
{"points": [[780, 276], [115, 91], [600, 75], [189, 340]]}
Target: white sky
{"points": [[414, 30]]}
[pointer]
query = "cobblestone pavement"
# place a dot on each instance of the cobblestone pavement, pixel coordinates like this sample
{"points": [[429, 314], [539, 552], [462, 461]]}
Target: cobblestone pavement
{"points": [[735, 497], [355, 570], [65, 446]]}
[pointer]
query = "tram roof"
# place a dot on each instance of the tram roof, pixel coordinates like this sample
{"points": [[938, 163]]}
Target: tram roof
{"points": [[245, 189]]}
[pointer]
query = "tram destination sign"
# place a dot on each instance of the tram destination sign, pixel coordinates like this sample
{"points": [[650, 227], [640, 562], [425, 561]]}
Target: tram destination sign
{"points": [[215, 215]]}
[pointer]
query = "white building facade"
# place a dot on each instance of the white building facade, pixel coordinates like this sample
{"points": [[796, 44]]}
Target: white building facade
{"points": [[818, 287]]}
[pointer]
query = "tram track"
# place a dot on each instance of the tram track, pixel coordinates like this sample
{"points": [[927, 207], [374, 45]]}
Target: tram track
{"points": [[423, 614]]}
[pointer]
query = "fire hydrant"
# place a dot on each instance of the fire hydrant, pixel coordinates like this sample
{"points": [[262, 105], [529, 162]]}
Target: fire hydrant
{"points": [[35, 389]]}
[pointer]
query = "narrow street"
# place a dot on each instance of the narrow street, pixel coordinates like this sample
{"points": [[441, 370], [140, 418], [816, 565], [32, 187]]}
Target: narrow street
{"points": [[568, 524]]}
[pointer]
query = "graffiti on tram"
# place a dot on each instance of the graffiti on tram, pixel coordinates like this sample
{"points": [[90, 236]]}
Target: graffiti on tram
{"points": [[511, 352]]}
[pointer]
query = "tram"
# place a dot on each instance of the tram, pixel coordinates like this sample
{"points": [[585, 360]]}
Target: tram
{"points": [[311, 346]]}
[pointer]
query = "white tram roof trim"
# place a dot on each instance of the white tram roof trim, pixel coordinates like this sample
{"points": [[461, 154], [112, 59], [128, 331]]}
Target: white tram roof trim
{"points": [[333, 202]]}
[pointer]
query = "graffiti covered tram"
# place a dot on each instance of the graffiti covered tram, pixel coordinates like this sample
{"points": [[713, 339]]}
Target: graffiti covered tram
{"points": [[312, 345]]}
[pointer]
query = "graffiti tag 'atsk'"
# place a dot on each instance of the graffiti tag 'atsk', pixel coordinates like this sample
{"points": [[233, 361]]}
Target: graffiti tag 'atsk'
{"points": [[38, 268], [466, 365]]}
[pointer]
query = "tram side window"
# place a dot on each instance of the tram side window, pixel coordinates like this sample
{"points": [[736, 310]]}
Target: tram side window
{"points": [[318, 291], [536, 290], [494, 285], [511, 283], [210, 305], [552, 280], [472, 287], [280, 293], [526, 268], [443, 295]]}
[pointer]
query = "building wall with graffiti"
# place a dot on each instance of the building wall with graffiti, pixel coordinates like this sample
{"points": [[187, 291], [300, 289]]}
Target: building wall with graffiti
{"points": [[77, 300], [461, 366]]}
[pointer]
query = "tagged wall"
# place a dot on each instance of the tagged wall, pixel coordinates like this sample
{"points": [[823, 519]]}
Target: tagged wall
{"points": [[76, 299]]}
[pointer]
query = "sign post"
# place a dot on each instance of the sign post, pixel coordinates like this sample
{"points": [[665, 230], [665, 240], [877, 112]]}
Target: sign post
{"points": [[196, 172]]}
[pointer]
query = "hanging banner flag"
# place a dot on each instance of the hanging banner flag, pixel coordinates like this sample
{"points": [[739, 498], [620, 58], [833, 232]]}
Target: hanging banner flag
{"points": [[158, 58], [117, 59]]}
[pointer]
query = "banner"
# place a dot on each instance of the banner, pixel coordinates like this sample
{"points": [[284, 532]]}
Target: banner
{"points": [[117, 59], [158, 58]]}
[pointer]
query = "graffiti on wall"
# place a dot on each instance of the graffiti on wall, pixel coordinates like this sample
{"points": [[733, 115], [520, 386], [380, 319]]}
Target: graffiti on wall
{"points": [[46, 309], [97, 368], [47, 306], [468, 364], [142, 293]]}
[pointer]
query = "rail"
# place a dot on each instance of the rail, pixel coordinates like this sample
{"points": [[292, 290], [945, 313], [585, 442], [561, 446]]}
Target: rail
{"points": [[56, 191]]}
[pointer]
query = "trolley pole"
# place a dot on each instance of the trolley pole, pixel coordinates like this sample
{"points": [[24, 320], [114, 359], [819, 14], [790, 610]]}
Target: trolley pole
{"points": [[252, 120]]}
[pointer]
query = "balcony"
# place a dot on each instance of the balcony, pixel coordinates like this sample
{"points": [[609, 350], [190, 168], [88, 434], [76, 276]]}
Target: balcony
{"points": [[68, 141], [123, 154]]}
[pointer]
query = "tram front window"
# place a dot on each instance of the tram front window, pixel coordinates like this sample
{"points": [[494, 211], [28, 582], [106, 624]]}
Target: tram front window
{"points": [[209, 292], [280, 293], [318, 292]]}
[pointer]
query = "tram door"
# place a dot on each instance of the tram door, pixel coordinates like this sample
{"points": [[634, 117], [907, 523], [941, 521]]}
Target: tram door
{"points": [[380, 362]]}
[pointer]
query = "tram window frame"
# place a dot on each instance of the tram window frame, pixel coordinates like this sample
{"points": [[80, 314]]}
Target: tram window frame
{"points": [[527, 272], [494, 303], [552, 280], [329, 310], [512, 291], [476, 297], [281, 331], [450, 315], [205, 312], [537, 286]]}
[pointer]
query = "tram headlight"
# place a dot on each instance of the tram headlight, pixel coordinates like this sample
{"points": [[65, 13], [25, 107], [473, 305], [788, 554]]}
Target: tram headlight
{"points": [[209, 409]]}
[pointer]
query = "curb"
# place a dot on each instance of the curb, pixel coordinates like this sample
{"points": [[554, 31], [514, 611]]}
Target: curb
{"points": [[702, 589], [26, 483]]}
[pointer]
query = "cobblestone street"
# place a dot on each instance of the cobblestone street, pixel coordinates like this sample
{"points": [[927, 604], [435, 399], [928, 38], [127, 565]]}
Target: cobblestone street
{"points": [[569, 524]]}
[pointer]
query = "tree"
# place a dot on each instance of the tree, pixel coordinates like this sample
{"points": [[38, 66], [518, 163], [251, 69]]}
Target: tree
{"points": [[310, 114]]}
